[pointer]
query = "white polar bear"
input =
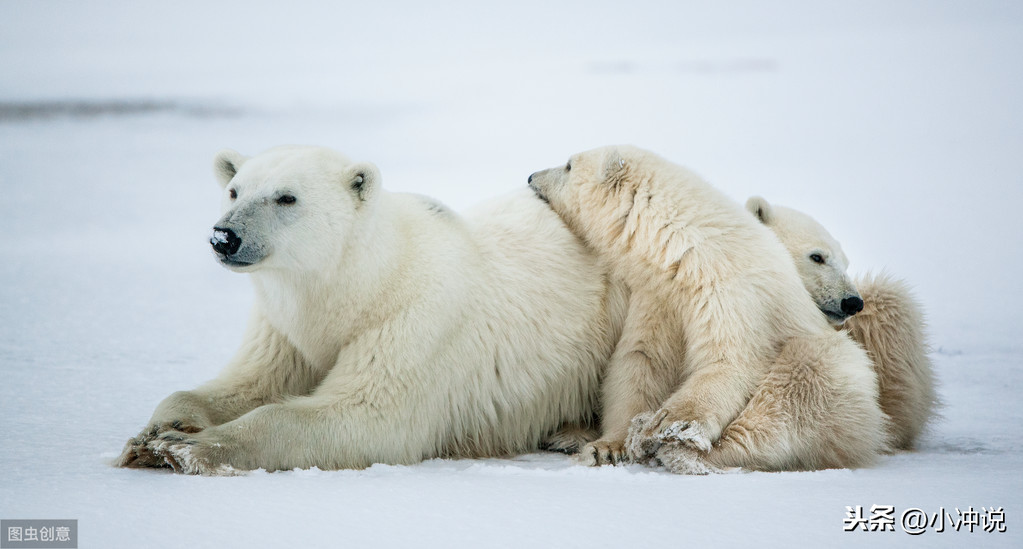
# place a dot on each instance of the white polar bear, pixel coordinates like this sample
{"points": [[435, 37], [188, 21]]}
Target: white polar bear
{"points": [[818, 257], [888, 320], [721, 335], [387, 328]]}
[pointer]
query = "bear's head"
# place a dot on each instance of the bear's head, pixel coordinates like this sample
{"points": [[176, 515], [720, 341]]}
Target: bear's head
{"points": [[818, 257], [595, 191], [290, 208]]}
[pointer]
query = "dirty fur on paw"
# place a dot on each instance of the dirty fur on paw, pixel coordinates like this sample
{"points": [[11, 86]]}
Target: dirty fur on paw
{"points": [[180, 453], [691, 433], [136, 452], [640, 446], [603, 452], [137, 455], [665, 428], [684, 460]]}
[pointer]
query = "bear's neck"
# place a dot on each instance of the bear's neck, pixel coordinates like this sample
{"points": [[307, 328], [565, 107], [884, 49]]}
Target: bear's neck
{"points": [[319, 310]]}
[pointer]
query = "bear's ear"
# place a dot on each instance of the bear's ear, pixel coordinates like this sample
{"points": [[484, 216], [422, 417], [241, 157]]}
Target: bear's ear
{"points": [[761, 209], [615, 168], [226, 164], [363, 179]]}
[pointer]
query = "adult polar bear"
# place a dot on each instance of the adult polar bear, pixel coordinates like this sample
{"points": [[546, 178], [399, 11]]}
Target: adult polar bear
{"points": [[721, 335], [387, 328]]}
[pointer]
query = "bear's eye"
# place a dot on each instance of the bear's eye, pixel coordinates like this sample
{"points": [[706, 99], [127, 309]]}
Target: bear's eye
{"points": [[568, 167], [817, 258], [286, 199], [233, 194]]}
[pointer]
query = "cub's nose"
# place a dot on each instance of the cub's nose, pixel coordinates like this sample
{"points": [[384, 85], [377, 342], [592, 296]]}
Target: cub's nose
{"points": [[530, 180], [225, 242], [852, 305]]}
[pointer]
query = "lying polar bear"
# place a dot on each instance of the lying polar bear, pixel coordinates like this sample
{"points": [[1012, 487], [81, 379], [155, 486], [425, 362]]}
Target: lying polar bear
{"points": [[879, 312], [386, 328]]}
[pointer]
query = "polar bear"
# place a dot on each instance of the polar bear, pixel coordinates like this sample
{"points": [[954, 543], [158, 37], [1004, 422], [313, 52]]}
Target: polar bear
{"points": [[721, 338], [888, 320], [818, 257], [387, 328]]}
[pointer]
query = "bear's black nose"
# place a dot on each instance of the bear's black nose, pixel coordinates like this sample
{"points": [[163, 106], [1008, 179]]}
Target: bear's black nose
{"points": [[852, 305], [530, 180], [225, 242]]}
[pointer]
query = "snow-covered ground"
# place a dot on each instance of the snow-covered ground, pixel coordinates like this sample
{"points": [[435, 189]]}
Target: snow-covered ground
{"points": [[898, 124]]}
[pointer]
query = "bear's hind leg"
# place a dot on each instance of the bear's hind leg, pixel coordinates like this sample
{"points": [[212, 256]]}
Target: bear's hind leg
{"points": [[816, 409]]}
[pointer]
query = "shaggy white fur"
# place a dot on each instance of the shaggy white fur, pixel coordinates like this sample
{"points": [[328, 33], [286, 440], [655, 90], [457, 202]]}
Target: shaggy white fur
{"points": [[386, 327], [721, 338]]}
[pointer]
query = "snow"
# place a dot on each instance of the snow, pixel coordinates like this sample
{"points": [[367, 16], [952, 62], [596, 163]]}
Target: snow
{"points": [[219, 236], [898, 124]]}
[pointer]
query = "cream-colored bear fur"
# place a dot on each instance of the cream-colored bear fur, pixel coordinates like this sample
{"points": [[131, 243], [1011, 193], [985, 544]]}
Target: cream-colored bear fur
{"points": [[386, 327], [721, 340], [890, 326], [892, 329], [818, 258]]}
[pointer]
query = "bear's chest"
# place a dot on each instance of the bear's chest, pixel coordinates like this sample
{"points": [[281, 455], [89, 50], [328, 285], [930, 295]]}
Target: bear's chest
{"points": [[311, 325]]}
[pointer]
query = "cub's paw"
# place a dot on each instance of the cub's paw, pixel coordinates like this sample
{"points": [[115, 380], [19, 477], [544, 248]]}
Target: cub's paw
{"points": [[667, 427], [684, 460], [191, 455], [639, 444], [604, 452]]}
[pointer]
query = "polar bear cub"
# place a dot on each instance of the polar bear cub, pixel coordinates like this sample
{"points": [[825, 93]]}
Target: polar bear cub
{"points": [[888, 320], [818, 257], [387, 328], [721, 338]]}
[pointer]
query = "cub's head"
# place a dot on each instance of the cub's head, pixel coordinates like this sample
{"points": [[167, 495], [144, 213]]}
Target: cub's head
{"points": [[594, 191], [819, 258], [289, 208]]}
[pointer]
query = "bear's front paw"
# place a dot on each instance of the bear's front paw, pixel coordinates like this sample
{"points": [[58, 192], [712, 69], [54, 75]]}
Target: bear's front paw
{"points": [[137, 454], [684, 460], [667, 427], [603, 452], [192, 454], [640, 445]]}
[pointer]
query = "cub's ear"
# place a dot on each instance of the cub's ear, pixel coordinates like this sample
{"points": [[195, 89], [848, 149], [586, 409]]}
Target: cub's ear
{"points": [[760, 209], [226, 164], [363, 179], [615, 168]]}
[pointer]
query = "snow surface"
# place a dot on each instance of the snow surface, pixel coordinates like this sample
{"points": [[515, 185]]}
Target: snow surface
{"points": [[898, 124]]}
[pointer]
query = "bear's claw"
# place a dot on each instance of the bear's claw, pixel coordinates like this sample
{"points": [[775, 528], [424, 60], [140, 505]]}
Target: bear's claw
{"points": [[604, 452]]}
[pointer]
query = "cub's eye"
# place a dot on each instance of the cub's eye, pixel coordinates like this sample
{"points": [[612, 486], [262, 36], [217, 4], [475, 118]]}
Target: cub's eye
{"points": [[817, 258], [233, 194], [286, 199], [568, 167]]}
